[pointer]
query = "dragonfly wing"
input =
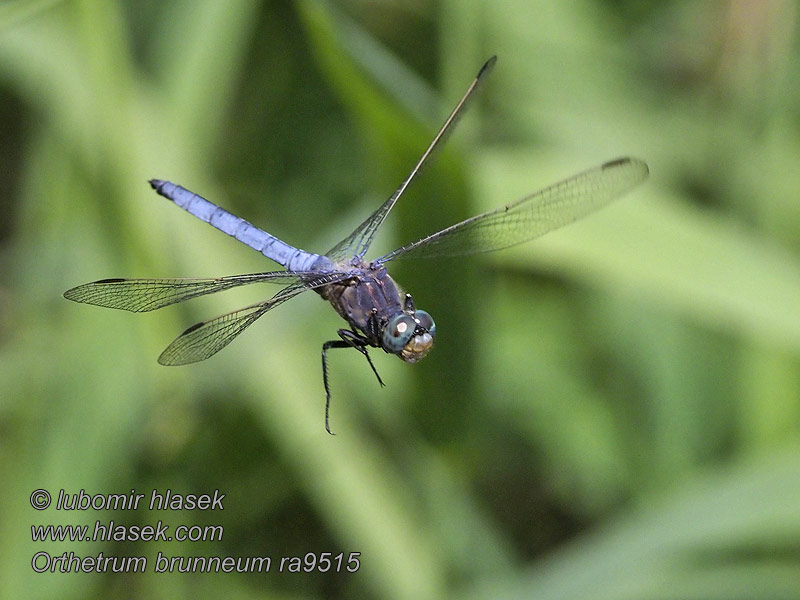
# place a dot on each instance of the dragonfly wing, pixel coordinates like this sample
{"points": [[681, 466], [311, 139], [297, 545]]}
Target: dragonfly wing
{"points": [[209, 337], [206, 338], [359, 241], [142, 295], [533, 215]]}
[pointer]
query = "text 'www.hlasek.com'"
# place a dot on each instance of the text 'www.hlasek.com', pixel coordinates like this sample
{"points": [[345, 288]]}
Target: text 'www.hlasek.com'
{"points": [[173, 504]]}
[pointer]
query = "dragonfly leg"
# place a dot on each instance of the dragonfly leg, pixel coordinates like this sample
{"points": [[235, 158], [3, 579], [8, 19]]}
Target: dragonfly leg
{"points": [[325, 347], [373, 328], [349, 339], [408, 305]]}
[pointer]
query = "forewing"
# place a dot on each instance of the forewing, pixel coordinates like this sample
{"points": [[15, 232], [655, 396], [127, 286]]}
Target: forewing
{"points": [[531, 216], [358, 242], [142, 295], [205, 339]]}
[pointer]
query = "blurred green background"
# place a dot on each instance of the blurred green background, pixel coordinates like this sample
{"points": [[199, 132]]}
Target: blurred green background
{"points": [[612, 411]]}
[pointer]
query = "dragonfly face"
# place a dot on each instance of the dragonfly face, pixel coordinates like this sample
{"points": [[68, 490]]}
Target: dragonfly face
{"points": [[362, 293], [409, 336]]}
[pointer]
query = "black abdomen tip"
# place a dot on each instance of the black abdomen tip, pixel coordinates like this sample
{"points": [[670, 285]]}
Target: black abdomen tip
{"points": [[156, 183]]}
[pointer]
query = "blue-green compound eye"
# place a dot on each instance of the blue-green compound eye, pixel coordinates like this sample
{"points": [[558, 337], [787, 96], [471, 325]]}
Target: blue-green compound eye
{"points": [[425, 321], [398, 332]]}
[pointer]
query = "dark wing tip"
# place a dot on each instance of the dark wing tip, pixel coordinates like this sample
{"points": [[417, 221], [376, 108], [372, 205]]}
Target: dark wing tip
{"points": [[193, 328], [74, 294], [616, 162], [627, 160], [487, 66], [168, 357]]}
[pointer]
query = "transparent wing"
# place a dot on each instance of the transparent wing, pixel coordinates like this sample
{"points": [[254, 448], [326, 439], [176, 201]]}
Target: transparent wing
{"points": [[531, 216], [359, 241], [207, 338], [142, 295]]}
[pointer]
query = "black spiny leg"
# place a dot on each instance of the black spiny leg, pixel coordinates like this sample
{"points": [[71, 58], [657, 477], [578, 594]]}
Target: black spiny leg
{"points": [[373, 327], [408, 305], [350, 339], [325, 347], [360, 343]]}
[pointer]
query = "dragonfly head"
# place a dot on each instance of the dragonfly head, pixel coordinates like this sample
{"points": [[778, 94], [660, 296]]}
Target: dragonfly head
{"points": [[409, 336]]}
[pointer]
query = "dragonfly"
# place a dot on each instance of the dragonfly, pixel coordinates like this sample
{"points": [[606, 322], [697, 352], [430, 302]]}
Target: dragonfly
{"points": [[378, 313]]}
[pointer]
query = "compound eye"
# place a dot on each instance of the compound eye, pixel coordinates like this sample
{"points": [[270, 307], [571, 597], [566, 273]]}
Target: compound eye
{"points": [[425, 321], [398, 332]]}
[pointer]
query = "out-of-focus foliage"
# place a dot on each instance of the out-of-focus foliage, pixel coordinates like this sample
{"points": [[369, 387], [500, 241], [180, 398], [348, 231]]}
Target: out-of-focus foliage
{"points": [[612, 411]]}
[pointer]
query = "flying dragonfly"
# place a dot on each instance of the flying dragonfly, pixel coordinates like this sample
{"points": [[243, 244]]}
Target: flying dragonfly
{"points": [[378, 314]]}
